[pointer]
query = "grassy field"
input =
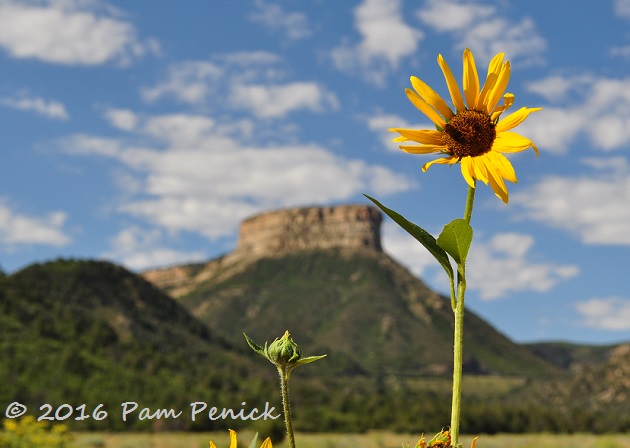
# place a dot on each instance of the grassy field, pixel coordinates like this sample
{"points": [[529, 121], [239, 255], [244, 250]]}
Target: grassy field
{"points": [[369, 440]]}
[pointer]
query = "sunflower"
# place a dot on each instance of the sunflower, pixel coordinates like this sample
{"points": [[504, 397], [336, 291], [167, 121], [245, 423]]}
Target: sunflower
{"points": [[472, 135], [233, 444]]}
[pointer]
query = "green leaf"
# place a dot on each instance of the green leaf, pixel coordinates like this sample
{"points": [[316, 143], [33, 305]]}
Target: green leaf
{"points": [[455, 239], [308, 360], [424, 237], [254, 441], [257, 348]]}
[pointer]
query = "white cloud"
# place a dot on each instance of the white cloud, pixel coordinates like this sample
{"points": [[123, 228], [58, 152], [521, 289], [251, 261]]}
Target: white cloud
{"points": [[277, 101], [384, 33], [384, 181], [189, 82], [258, 58], [556, 88], [404, 248], [181, 130], [554, 129], [385, 40], [484, 31], [622, 8], [122, 119], [294, 24], [251, 81], [193, 173], [68, 32], [503, 265], [596, 108], [16, 228], [86, 144], [449, 16], [610, 99], [622, 51], [50, 109], [140, 249], [610, 313], [495, 267], [594, 207], [194, 82]]}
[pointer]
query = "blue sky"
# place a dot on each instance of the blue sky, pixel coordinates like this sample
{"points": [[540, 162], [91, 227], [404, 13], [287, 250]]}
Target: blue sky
{"points": [[144, 132]]}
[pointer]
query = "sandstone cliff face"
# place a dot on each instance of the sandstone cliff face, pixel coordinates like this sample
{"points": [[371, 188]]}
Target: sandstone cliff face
{"points": [[351, 226], [275, 233]]}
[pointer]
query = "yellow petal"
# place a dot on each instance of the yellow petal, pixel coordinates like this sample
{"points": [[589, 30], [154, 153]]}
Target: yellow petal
{"points": [[471, 79], [494, 170], [499, 88], [508, 100], [424, 149], [515, 118], [535, 149], [212, 445], [480, 169], [429, 95], [453, 88], [443, 160], [426, 136], [499, 168], [232, 439], [494, 68], [497, 184], [512, 142], [425, 108], [468, 171], [266, 443], [503, 166]]}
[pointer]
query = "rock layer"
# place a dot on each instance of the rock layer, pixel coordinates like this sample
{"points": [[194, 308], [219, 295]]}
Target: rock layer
{"points": [[348, 226]]}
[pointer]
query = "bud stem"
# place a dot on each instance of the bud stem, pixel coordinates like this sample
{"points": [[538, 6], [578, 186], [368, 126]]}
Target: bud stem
{"points": [[285, 355], [286, 405]]}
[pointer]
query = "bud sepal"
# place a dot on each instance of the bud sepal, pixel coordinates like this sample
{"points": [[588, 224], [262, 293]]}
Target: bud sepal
{"points": [[283, 352]]}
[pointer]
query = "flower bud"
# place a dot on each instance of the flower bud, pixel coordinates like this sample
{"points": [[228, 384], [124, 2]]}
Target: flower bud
{"points": [[284, 351]]}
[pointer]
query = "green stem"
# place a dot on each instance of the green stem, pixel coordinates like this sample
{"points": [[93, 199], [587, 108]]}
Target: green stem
{"points": [[284, 387], [458, 345], [458, 350], [469, 203]]}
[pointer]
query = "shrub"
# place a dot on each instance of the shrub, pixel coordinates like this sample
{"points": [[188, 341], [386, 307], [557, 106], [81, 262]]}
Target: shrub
{"points": [[29, 433]]}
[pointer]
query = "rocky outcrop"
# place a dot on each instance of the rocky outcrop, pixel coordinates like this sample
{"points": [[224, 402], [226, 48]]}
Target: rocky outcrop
{"points": [[609, 383], [277, 233], [349, 226]]}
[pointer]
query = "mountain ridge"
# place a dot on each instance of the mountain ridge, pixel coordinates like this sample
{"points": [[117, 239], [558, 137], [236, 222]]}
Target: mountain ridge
{"points": [[56, 352], [93, 332], [333, 256], [375, 319]]}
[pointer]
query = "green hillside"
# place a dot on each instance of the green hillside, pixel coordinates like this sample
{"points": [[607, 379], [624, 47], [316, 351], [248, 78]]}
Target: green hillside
{"points": [[570, 356], [91, 332], [367, 312]]}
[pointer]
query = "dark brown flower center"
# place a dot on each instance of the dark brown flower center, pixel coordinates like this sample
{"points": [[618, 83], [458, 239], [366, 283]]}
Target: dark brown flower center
{"points": [[469, 133]]}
